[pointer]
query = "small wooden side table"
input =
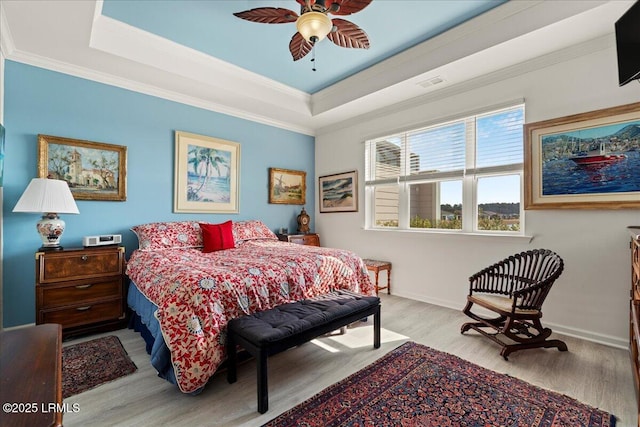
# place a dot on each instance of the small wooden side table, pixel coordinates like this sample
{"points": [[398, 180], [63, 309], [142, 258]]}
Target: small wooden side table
{"points": [[378, 266], [31, 376]]}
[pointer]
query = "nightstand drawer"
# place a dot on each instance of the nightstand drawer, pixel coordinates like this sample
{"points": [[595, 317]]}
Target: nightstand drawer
{"points": [[84, 314], [311, 239], [67, 295], [79, 265]]}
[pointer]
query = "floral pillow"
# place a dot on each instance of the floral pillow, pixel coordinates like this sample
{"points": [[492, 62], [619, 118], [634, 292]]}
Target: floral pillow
{"points": [[251, 230], [168, 235]]}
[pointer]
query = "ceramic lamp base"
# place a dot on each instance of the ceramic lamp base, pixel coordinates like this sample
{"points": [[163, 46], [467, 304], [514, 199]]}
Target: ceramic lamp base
{"points": [[50, 228]]}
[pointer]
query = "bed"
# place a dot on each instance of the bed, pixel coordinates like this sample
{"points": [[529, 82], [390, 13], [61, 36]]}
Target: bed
{"points": [[188, 279]]}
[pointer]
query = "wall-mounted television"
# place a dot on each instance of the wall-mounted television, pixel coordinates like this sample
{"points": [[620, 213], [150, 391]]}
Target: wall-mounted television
{"points": [[628, 45]]}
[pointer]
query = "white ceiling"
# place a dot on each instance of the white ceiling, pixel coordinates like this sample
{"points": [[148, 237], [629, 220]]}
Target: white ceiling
{"points": [[74, 37]]}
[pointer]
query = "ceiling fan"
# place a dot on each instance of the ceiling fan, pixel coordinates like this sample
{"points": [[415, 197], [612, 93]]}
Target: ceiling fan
{"points": [[313, 24]]}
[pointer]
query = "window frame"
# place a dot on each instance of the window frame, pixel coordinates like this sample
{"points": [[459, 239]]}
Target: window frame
{"points": [[469, 177]]}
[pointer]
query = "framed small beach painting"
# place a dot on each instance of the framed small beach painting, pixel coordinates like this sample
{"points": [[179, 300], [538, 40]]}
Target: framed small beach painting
{"points": [[206, 174], [584, 161], [287, 186], [339, 192], [93, 170]]}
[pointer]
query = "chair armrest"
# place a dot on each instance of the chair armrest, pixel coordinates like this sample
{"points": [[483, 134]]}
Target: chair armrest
{"points": [[499, 278], [533, 296]]}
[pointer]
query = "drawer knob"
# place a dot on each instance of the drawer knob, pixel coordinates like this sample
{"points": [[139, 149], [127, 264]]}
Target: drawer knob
{"points": [[83, 308], [84, 257], [83, 286]]}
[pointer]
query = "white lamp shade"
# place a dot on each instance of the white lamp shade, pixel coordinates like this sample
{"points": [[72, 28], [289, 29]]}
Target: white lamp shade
{"points": [[45, 195], [314, 24]]}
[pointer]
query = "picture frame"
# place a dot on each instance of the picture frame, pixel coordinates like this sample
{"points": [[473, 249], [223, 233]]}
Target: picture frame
{"points": [[93, 170], [287, 186], [338, 192], [584, 161], [206, 174]]}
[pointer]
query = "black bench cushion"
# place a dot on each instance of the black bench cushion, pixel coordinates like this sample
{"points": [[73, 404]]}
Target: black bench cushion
{"points": [[291, 319]]}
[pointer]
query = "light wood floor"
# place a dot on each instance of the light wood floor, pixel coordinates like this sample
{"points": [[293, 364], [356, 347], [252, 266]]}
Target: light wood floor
{"points": [[594, 374]]}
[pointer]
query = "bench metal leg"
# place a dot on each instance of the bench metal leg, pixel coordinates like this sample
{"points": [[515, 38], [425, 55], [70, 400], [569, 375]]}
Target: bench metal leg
{"points": [[263, 387], [231, 359], [376, 329]]}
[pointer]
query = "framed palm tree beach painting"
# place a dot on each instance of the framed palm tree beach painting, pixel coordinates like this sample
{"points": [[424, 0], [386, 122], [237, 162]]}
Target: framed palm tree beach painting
{"points": [[207, 172]]}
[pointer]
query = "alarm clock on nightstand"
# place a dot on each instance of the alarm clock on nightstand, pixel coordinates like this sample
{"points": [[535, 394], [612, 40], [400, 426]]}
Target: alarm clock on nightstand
{"points": [[303, 222]]}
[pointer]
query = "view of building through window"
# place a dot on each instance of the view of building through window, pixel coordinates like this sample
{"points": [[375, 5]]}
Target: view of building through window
{"points": [[461, 175]]}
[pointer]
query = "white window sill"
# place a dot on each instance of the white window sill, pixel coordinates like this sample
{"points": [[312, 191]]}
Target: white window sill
{"points": [[456, 234]]}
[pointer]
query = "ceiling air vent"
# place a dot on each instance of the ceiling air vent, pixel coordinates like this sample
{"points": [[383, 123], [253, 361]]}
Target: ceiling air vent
{"points": [[431, 82]]}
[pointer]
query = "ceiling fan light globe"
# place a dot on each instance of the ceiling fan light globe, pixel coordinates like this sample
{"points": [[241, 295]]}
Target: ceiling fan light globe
{"points": [[314, 25]]}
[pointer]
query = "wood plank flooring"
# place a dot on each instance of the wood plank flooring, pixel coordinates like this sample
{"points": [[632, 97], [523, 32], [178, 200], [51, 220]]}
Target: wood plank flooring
{"points": [[591, 373]]}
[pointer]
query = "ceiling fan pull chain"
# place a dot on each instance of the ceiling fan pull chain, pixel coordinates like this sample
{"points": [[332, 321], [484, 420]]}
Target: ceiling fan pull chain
{"points": [[313, 56]]}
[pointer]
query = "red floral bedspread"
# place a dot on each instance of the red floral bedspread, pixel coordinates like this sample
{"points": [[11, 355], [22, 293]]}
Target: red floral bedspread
{"points": [[197, 293]]}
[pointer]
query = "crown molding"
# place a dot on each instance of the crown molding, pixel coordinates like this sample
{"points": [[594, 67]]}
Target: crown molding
{"points": [[550, 59], [7, 46], [492, 29], [135, 86]]}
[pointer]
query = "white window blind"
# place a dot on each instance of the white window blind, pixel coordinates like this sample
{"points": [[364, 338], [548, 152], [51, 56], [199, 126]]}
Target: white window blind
{"points": [[439, 152], [430, 177]]}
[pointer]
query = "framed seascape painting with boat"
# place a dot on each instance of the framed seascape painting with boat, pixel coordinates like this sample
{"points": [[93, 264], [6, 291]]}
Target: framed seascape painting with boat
{"points": [[584, 161], [339, 192], [207, 172]]}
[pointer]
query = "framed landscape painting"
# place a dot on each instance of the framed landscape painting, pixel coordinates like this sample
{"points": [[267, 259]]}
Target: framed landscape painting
{"points": [[287, 186], [93, 170], [584, 161], [206, 174], [339, 192]]}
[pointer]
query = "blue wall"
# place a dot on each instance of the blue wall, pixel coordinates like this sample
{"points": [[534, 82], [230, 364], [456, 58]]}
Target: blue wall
{"points": [[38, 101]]}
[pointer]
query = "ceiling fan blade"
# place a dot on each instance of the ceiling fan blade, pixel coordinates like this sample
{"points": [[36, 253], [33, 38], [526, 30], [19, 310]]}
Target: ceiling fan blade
{"points": [[348, 34], [268, 15], [304, 2], [299, 47], [346, 7]]}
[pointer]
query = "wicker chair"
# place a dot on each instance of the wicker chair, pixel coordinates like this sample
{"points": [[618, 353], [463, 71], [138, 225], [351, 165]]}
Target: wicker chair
{"points": [[515, 289]]}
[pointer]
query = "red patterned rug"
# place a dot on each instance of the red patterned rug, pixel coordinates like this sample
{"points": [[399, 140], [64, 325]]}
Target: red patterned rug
{"points": [[91, 363], [414, 385]]}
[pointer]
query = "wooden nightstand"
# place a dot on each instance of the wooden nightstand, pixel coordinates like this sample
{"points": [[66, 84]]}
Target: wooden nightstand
{"points": [[309, 239], [81, 289]]}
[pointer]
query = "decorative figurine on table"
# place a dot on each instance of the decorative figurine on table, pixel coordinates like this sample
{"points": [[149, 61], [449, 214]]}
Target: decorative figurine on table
{"points": [[303, 222]]}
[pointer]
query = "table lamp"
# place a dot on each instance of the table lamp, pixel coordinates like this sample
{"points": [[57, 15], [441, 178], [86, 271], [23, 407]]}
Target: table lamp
{"points": [[48, 197]]}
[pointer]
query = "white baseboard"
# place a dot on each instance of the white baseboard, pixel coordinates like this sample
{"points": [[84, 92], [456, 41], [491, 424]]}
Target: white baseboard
{"points": [[607, 340]]}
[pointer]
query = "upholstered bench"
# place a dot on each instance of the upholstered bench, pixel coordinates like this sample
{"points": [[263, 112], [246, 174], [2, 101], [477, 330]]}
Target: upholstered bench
{"points": [[271, 331]]}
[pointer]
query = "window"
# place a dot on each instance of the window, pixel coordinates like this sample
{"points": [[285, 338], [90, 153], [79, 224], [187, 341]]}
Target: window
{"points": [[462, 175]]}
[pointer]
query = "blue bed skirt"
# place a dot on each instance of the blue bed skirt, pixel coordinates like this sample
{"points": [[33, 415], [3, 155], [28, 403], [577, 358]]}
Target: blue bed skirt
{"points": [[144, 322]]}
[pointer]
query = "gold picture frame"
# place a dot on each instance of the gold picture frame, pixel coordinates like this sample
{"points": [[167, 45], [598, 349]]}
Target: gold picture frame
{"points": [[287, 186], [338, 192], [206, 174], [93, 170], [584, 161]]}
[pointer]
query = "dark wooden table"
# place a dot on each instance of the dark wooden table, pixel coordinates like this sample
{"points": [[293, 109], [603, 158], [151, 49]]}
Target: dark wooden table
{"points": [[31, 376]]}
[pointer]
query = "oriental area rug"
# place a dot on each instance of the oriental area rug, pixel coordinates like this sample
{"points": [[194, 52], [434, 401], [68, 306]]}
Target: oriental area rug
{"points": [[91, 363], [415, 385]]}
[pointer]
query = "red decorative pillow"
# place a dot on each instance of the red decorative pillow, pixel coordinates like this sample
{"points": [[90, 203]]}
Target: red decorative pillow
{"points": [[217, 237]]}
